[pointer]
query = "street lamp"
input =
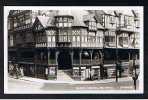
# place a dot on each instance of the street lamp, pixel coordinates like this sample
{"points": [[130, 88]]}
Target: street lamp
{"points": [[117, 47]]}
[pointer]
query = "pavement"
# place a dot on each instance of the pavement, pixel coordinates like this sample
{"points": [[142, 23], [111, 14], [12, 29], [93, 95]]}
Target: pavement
{"points": [[37, 80], [33, 85]]}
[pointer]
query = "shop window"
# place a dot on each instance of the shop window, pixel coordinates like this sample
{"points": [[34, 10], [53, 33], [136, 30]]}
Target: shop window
{"points": [[76, 72], [110, 38]]}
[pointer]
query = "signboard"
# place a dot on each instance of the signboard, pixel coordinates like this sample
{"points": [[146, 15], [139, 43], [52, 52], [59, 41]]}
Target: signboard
{"points": [[52, 70], [75, 71], [111, 72]]}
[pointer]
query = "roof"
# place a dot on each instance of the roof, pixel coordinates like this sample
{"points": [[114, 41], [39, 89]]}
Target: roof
{"points": [[110, 12], [46, 21], [125, 12], [64, 12], [78, 17], [90, 17], [99, 26], [135, 12]]}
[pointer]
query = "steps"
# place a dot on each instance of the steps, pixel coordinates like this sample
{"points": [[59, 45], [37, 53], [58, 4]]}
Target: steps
{"points": [[62, 75]]}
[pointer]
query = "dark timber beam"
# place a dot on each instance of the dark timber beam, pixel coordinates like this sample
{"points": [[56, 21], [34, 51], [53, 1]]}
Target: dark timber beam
{"points": [[80, 58], [48, 58], [71, 54]]}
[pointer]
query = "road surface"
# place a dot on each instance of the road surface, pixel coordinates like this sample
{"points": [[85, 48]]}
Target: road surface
{"points": [[22, 85]]}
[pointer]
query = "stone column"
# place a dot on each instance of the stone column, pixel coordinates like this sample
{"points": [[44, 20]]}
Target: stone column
{"points": [[101, 65], [56, 58]]}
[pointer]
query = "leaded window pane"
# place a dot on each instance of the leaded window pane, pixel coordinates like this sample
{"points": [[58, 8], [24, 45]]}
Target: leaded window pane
{"points": [[60, 24]]}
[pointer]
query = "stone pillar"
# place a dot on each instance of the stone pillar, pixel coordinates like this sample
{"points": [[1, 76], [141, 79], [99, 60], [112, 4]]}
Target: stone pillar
{"points": [[56, 58], [101, 65]]}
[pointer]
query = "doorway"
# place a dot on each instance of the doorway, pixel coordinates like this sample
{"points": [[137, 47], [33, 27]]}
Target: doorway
{"points": [[64, 60]]}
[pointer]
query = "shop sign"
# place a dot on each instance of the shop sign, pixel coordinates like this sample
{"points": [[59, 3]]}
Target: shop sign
{"points": [[52, 71]]}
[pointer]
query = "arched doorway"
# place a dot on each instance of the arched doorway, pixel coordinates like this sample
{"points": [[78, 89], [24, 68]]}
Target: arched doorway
{"points": [[64, 60]]}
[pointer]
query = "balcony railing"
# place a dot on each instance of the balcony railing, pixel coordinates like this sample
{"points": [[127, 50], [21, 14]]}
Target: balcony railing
{"points": [[22, 27]]}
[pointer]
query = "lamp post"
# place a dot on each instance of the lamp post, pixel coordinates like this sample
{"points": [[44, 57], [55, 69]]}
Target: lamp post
{"points": [[117, 47]]}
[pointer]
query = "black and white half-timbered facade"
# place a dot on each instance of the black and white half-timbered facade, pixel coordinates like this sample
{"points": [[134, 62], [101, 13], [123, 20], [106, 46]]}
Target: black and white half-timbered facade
{"points": [[83, 42]]}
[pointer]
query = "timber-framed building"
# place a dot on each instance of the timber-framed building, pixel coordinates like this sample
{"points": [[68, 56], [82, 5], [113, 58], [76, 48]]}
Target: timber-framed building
{"points": [[82, 42]]}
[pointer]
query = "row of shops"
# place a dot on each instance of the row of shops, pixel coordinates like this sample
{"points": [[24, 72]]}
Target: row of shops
{"points": [[84, 72]]}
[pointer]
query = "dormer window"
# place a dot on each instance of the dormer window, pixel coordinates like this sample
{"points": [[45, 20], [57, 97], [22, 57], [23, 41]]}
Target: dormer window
{"points": [[112, 20], [92, 25], [64, 21], [128, 20]]}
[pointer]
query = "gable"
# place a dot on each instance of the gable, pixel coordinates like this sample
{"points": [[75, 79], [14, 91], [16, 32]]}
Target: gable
{"points": [[37, 26]]}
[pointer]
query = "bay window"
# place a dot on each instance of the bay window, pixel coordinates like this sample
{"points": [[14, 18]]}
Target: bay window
{"points": [[64, 21], [128, 21], [92, 25], [110, 38], [123, 40], [112, 19], [28, 21]]}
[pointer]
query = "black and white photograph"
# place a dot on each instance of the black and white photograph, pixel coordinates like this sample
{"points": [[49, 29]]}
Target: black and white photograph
{"points": [[49, 49]]}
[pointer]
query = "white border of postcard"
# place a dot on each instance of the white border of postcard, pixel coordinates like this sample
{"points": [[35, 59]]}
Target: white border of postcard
{"points": [[141, 76]]}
